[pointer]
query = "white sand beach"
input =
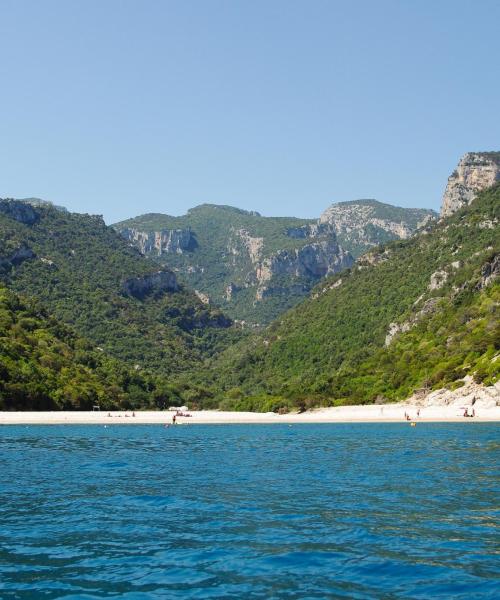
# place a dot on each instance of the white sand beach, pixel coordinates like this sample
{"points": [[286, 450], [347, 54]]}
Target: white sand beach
{"points": [[342, 414]]}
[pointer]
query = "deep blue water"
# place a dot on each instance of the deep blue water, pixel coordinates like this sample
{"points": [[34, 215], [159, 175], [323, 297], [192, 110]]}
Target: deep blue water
{"points": [[309, 511]]}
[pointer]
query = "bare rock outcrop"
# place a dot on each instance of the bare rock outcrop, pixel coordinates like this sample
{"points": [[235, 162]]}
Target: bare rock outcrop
{"points": [[203, 298], [469, 394], [313, 261], [311, 230], [230, 290], [241, 239], [438, 279], [164, 241], [476, 171], [155, 283], [489, 272]]}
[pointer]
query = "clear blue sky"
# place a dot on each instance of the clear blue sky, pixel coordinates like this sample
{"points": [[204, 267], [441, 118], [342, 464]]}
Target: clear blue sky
{"points": [[125, 107]]}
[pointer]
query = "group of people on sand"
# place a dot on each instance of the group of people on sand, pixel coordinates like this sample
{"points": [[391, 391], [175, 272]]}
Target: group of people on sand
{"points": [[472, 413], [125, 415]]}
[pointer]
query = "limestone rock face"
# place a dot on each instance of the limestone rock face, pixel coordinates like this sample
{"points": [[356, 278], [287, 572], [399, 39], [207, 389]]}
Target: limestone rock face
{"points": [[155, 283], [346, 220], [475, 172], [231, 289], [315, 260], [165, 241], [427, 308], [252, 245], [309, 262]]}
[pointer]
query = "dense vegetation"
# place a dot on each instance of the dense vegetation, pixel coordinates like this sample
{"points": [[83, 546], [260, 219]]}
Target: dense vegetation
{"points": [[76, 267], [72, 336], [331, 348], [45, 365]]}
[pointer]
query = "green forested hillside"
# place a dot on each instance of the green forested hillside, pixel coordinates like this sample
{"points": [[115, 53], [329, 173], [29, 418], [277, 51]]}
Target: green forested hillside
{"points": [[45, 365], [440, 286], [106, 327], [89, 278]]}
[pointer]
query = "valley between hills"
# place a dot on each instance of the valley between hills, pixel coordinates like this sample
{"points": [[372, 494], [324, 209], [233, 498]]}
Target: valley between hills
{"points": [[224, 308]]}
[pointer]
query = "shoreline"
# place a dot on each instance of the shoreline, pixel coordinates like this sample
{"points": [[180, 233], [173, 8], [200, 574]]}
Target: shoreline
{"points": [[394, 413]]}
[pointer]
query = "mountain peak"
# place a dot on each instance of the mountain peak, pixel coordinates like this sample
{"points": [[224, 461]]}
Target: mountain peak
{"points": [[360, 224]]}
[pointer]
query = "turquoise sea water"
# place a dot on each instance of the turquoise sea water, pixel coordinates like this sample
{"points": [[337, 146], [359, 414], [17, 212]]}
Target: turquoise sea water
{"points": [[258, 511]]}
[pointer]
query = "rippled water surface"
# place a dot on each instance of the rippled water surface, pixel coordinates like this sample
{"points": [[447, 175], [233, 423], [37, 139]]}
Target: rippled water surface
{"points": [[309, 511]]}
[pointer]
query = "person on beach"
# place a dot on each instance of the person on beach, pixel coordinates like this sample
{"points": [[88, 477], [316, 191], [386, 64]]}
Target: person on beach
{"points": [[174, 417]]}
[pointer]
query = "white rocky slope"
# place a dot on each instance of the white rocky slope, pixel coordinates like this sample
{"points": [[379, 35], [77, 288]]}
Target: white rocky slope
{"points": [[476, 171], [471, 394]]}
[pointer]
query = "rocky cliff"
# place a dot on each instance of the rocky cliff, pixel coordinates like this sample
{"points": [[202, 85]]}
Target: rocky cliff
{"points": [[476, 171], [311, 262], [165, 241], [253, 266], [151, 284], [256, 267]]}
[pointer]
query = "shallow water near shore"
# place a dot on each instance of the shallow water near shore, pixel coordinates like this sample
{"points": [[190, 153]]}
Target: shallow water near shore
{"points": [[250, 511]]}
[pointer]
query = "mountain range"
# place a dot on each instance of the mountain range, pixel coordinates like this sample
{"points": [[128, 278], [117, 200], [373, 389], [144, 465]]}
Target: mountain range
{"points": [[257, 267]]}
